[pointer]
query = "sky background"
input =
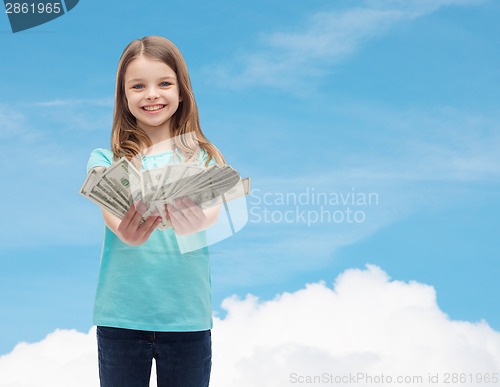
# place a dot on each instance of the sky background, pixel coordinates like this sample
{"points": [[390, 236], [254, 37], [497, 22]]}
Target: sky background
{"points": [[397, 99]]}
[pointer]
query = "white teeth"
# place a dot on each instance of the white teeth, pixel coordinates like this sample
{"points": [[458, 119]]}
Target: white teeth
{"points": [[152, 108]]}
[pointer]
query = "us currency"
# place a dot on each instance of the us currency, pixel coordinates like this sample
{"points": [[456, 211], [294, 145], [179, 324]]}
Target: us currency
{"points": [[208, 185], [121, 185], [151, 179], [97, 197], [116, 189], [129, 185], [173, 179], [241, 189], [125, 180]]}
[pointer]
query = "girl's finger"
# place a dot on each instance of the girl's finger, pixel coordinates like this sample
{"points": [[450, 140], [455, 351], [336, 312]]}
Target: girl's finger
{"points": [[179, 222], [149, 225], [176, 216], [193, 216], [140, 209], [192, 211], [129, 215]]}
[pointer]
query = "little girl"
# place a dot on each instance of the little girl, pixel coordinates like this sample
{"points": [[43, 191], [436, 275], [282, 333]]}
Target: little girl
{"points": [[152, 301]]}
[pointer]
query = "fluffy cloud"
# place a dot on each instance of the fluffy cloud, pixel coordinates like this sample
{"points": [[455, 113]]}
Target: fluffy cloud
{"points": [[366, 326], [63, 358]]}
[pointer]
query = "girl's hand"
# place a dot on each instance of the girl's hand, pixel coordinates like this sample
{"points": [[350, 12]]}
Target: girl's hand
{"points": [[186, 217], [130, 231]]}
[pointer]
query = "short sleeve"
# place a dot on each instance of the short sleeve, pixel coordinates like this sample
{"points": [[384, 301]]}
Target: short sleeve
{"points": [[100, 157]]}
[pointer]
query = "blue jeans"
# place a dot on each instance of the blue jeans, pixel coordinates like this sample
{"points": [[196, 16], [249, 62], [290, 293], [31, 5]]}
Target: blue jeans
{"points": [[183, 359]]}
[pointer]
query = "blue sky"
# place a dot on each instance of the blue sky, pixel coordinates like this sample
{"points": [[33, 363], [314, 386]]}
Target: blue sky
{"points": [[396, 98]]}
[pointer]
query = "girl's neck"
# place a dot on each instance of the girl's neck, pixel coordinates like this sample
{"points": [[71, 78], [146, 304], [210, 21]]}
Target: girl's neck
{"points": [[161, 139]]}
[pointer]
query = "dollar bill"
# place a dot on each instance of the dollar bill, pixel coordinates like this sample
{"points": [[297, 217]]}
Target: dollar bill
{"points": [[121, 186], [98, 197]]}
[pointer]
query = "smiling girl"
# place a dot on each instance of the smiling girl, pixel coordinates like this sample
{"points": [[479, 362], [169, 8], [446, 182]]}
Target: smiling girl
{"points": [[152, 302]]}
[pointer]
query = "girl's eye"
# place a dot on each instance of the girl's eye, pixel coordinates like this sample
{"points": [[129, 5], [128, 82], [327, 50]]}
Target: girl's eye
{"points": [[165, 84], [137, 87]]}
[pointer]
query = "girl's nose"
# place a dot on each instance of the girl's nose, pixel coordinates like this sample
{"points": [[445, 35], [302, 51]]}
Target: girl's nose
{"points": [[152, 94]]}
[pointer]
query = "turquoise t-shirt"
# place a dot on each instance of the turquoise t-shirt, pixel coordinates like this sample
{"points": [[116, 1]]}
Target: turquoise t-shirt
{"points": [[151, 286]]}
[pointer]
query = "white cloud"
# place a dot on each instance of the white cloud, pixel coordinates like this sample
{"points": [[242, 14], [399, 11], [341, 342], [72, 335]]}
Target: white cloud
{"points": [[63, 358], [106, 102], [366, 324], [438, 144], [16, 125], [327, 38], [419, 7], [53, 120]]}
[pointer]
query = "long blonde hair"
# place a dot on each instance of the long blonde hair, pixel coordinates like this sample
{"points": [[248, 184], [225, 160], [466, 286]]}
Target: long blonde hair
{"points": [[127, 139]]}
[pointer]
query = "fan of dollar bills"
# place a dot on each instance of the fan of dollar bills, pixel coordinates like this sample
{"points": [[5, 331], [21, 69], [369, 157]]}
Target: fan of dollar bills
{"points": [[118, 187]]}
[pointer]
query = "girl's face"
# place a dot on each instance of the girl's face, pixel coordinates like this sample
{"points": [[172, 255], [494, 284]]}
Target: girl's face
{"points": [[152, 93]]}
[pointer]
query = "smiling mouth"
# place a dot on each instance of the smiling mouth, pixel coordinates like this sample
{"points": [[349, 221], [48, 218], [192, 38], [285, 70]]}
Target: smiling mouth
{"points": [[153, 108]]}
